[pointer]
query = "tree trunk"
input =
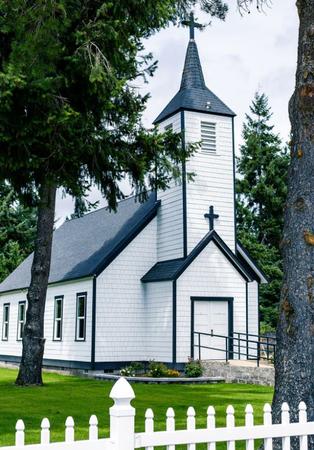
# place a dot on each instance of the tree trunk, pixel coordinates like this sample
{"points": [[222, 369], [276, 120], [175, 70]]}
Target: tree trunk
{"points": [[294, 364], [30, 372]]}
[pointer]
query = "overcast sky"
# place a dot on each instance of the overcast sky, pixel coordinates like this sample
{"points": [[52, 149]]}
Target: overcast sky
{"points": [[238, 56]]}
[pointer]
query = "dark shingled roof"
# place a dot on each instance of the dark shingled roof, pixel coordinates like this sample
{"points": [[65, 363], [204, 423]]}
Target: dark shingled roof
{"points": [[193, 94], [84, 247], [172, 269]]}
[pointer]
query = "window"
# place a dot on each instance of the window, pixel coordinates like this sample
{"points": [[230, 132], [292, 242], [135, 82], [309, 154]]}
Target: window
{"points": [[169, 127], [57, 325], [80, 316], [5, 323], [208, 136], [21, 320]]}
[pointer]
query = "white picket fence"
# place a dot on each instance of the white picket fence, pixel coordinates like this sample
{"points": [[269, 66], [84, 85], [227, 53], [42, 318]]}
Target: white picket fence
{"points": [[123, 436]]}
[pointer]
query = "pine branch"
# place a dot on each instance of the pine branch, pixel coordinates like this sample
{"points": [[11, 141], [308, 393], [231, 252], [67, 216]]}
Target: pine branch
{"points": [[246, 5]]}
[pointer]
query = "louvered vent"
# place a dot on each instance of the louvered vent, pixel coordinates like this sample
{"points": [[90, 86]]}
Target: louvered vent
{"points": [[208, 135]]}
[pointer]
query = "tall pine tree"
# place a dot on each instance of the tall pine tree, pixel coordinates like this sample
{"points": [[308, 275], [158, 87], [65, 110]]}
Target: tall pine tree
{"points": [[17, 230], [261, 194]]}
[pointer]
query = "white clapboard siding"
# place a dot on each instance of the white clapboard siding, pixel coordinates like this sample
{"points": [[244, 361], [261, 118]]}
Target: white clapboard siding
{"points": [[170, 214], [214, 180], [121, 332], [67, 349], [253, 307], [158, 323], [209, 275]]}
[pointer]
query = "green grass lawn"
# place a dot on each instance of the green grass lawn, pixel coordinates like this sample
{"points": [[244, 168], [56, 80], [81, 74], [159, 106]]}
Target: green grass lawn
{"points": [[64, 396]]}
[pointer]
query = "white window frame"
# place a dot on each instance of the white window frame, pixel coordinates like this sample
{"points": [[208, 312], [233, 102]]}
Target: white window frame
{"points": [[80, 318], [5, 323], [57, 320], [21, 321], [209, 148]]}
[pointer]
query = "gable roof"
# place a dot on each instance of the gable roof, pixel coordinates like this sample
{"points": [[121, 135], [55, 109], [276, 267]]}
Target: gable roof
{"points": [[193, 94], [85, 246], [172, 269]]}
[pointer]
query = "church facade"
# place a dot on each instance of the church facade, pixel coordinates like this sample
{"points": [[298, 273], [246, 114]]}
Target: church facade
{"points": [[156, 279]]}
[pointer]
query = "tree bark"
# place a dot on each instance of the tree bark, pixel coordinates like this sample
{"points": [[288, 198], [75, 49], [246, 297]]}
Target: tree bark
{"points": [[294, 362], [30, 372]]}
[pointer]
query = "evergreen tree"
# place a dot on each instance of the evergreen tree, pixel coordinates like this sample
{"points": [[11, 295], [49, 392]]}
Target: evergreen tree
{"points": [[17, 230], [69, 113], [261, 193], [82, 207]]}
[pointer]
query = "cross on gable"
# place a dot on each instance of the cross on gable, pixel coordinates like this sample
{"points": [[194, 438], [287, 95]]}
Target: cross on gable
{"points": [[211, 216], [192, 25]]}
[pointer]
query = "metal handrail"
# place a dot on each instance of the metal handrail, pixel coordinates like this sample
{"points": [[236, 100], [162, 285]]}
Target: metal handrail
{"points": [[233, 345]]}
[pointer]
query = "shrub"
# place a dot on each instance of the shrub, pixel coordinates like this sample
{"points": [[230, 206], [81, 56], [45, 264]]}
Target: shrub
{"points": [[127, 372], [157, 369], [137, 367], [133, 369], [172, 373], [193, 369]]}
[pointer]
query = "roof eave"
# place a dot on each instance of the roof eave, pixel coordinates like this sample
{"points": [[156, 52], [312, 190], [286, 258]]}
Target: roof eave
{"points": [[161, 118], [115, 252], [252, 263], [52, 283], [211, 236], [129, 238]]}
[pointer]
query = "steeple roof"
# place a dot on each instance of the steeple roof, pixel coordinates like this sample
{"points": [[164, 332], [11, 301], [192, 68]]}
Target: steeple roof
{"points": [[193, 94]]}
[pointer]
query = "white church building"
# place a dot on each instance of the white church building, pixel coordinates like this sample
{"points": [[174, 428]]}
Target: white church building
{"points": [[143, 283]]}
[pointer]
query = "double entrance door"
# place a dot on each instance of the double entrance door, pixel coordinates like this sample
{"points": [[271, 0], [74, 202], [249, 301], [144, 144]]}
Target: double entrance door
{"points": [[211, 326]]}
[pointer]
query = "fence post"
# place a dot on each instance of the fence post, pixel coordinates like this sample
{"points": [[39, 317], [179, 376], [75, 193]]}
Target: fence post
{"points": [[122, 416]]}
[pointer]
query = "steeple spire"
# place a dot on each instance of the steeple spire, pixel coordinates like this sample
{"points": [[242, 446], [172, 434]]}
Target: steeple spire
{"points": [[192, 76], [193, 94]]}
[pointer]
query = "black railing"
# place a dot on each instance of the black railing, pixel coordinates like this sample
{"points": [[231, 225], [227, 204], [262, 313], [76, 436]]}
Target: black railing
{"points": [[238, 346]]}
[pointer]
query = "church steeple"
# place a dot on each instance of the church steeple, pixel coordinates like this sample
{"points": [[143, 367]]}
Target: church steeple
{"points": [[193, 94], [189, 211], [192, 76]]}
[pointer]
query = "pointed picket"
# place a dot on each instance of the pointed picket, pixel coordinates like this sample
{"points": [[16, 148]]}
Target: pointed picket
{"points": [[149, 424], [20, 435], [170, 424], [45, 431], [191, 425], [249, 422], [268, 442], [93, 428], [303, 419], [211, 424], [230, 422], [69, 429], [285, 420]]}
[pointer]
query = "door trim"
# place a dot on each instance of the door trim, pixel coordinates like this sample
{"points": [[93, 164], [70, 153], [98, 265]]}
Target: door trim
{"points": [[230, 319]]}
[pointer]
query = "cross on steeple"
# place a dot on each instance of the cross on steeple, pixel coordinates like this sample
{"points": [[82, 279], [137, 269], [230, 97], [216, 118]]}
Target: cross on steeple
{"points": [[211, 216], [192, 25]]}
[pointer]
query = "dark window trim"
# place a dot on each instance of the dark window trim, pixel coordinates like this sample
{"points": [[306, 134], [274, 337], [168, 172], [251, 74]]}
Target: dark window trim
{"points": [[18, 320], [3, 306], [54, 338], [80, 294], [230, 301], [169, 127]]}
